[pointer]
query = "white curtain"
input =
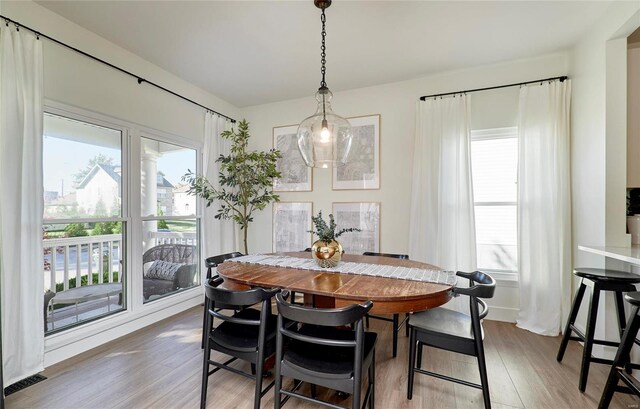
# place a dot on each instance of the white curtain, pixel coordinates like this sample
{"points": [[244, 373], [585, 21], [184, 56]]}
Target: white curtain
{"points": [[544, 215], [220, 236], [442, 224], [21, 207]]}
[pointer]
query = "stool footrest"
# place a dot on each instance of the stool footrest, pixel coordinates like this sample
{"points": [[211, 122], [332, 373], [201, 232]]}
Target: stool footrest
{"points": [[601, 361], [631, 382]]}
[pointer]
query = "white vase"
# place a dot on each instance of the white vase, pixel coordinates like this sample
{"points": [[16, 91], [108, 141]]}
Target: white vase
{"points": [[633, 224]]}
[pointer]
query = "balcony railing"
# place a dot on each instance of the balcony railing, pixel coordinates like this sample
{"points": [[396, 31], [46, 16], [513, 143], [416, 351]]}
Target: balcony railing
{"points": [[75, 257], [172, 237]]}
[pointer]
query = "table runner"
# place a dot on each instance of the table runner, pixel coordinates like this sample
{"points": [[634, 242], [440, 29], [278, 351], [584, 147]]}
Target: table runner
{"points": [[377, 270]]}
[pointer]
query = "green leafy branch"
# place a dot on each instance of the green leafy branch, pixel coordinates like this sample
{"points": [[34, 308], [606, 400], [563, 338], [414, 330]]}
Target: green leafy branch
{"points": [[327, 233], [245, 178]]}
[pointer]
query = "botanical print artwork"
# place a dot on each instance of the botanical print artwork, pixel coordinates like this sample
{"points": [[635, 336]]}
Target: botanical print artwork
{"points": [[295, 175], [366, 217], [291, 225], [361, 164], [362, 170]]}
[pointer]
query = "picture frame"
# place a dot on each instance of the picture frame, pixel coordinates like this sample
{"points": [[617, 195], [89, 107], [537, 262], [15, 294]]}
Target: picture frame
{"points": [[291, 226], [296, 176], [362, 170], [364, 216]]}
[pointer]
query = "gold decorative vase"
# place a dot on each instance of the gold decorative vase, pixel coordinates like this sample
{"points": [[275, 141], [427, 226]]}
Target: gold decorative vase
{"points": [[327, 254]]}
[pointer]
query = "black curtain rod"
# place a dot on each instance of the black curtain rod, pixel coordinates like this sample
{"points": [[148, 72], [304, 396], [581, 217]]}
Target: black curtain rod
{"points": [[561, 79], [122, 70]]}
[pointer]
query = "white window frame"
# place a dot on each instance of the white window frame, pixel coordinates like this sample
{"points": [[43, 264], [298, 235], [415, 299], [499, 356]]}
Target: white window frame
{"points": [[139, 219], [74, 340], [492, 134]]}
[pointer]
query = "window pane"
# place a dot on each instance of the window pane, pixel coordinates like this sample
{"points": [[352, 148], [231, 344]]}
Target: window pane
{"points": [[81, 169], [495, 166], [162, 168], [170, 259], [83, 274], [496, 237]]}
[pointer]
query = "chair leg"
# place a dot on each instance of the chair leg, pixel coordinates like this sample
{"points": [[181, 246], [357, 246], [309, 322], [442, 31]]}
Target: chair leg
{"points": [[412, 361], [482, 367], [204, 321], [366, 320], [314, 391], [372, 380], [621, 358], [622, 322], [571, 320], [420, 347], [395, 334], [258, 392], [406, 325], [205, 375], [589, 335]]}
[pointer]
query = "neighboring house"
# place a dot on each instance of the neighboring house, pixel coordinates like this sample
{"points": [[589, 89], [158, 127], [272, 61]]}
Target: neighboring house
{"points": [[96, 192], [165, 200], [99, 192], [62, 206], [184, 204]]}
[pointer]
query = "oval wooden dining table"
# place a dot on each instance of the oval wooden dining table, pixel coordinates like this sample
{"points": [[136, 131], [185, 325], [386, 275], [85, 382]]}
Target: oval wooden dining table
{"points": [[329, 289]]}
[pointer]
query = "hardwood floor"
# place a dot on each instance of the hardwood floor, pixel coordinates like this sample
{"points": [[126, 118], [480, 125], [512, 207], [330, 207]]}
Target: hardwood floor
{"points": [[159, 367]]}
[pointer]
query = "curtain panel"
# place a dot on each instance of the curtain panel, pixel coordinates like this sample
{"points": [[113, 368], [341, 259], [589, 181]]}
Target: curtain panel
{"points": [[21, 256], [442, 224], [544, 207], [220, 236]]}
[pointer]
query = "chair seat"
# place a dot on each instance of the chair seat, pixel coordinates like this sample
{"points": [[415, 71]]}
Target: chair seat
{"points": [[326, 361], [243, 338], [444, 321], [607, 275]]}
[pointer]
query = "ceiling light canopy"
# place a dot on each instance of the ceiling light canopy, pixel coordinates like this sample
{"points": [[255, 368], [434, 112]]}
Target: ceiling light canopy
{"points": [[324, 138]]}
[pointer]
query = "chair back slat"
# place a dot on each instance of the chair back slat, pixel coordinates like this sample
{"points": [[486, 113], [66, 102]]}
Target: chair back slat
{"points": [[329, 317], [399, 256], [230, 299], [482, 285], [317, 340], [233, 319], [215, 260]]}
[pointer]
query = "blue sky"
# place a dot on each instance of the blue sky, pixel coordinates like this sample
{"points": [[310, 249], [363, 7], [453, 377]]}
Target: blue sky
{"points": [[63, 158]]}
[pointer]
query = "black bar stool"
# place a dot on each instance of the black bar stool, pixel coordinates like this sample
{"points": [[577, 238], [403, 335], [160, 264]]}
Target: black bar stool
{"points": [[621, 361], [599, 280]]}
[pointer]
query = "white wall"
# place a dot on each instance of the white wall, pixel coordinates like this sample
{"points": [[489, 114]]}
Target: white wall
{"points": [[78, 81], [633, 115], [395, 103], [599, 141]]}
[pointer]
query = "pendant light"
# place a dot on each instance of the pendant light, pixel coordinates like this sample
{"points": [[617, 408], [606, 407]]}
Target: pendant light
{"points": [[324, 138]]}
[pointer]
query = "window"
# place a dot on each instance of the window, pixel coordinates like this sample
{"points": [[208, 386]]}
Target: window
{"points": [[169, 222], [83, 238], [494, 161]]}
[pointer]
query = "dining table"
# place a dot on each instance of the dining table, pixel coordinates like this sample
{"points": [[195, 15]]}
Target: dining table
{"points": [[329, 289]]}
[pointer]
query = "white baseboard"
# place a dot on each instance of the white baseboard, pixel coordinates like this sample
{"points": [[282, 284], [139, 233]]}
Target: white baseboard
{"points": [[504, 314]]}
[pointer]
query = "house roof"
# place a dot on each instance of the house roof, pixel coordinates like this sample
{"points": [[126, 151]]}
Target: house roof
{"points": [[109, 169], [66, 200]]}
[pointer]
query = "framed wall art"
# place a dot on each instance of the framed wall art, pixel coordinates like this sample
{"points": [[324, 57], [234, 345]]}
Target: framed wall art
{"points": [[362, 170], [364, 216], [291, 226], [296, 176]]}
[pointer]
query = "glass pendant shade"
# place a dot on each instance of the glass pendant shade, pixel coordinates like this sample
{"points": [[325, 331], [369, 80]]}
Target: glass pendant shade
{"points": [[324, 138]]}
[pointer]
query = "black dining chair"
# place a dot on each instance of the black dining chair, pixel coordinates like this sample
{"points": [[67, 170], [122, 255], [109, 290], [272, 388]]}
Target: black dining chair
{"points": [[320, 354], [212, 263], [620, 368], [396, 317], [247, 334], [453, 331]]}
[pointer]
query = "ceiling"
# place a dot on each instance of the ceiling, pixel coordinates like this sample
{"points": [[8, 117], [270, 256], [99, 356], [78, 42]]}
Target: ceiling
{"points": [[251, 53]]}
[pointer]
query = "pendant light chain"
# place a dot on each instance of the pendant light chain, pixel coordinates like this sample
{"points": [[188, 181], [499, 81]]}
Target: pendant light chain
{"points": [[323, 47]]}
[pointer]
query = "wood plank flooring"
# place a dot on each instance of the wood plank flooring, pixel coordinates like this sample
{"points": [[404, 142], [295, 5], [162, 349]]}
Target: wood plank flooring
{"points": [[160, 366]]}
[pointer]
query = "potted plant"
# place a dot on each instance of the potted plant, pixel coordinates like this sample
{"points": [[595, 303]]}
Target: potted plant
{"points": [[326, 251], [246, 181]]}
